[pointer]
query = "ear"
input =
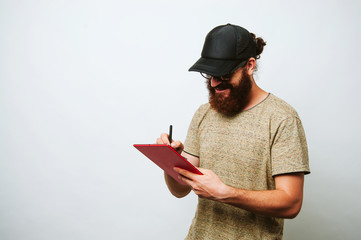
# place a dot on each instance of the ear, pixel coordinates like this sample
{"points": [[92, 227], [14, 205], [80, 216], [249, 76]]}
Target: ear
{"points": [[251, 65]]}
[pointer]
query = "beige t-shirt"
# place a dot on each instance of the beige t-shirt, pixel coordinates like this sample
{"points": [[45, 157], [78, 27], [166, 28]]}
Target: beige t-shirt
{"points": [[245, 151]]}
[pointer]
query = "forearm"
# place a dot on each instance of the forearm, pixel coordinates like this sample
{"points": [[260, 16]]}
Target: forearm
{"points": [[275, 203], [175, 187], [284, 202], [178, 190]]}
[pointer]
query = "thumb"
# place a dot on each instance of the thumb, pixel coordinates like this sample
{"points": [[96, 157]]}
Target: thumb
{"points": [[177, 145]]}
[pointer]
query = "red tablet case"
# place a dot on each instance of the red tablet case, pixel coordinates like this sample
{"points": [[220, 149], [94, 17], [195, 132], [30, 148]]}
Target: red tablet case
{"points": [[166, 158]]}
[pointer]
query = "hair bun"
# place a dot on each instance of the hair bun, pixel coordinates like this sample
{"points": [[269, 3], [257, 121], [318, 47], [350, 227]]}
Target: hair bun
{"points": [[260, 43]]}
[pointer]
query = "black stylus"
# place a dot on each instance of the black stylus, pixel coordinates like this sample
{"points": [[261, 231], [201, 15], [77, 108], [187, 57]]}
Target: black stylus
{"points": [[170, 134]]}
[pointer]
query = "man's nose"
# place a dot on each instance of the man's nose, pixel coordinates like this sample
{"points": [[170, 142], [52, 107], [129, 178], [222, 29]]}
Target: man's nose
{"points": [[215, 82]]}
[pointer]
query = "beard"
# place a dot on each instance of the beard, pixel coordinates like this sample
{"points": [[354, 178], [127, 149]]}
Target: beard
{"points": [[237, 99]]}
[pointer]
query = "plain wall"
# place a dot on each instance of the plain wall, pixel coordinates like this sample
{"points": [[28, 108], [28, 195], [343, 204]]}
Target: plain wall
{"points": [[82, 81]]}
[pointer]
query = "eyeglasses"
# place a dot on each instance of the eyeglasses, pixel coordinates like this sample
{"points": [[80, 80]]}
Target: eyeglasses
{"points": [[226, 77]]}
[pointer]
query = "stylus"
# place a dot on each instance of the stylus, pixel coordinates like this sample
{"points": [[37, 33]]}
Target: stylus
{"points": [[170, 133]]}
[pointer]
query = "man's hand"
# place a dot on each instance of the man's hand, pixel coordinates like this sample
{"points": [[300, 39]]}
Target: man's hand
{"points": [[176, 145], [285, 201], [207, 185]]}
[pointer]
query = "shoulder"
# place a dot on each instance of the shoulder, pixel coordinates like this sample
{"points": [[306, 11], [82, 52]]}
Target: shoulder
{"points": [[202, 110], [280, 109], [199, 115], [204, 107], [283, 118]]}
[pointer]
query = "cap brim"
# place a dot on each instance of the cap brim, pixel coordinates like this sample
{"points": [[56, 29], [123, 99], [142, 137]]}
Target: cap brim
{"points": [[214, 67]]}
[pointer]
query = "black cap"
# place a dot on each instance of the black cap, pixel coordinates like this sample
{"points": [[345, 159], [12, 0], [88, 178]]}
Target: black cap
{"points": [[226, 48]]}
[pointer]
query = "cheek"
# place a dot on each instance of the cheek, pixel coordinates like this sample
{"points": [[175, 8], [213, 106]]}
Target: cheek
{"points": [[236, 79], [234, 83]]}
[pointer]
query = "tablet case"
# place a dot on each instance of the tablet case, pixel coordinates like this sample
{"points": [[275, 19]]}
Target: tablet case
{"points": [[166, 158]]}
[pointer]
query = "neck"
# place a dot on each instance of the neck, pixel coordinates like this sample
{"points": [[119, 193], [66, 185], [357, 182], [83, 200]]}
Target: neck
{"points": [[256, 95]]}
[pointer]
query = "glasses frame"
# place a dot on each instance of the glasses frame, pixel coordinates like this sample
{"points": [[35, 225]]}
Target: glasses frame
{"points": [[226, 77]]}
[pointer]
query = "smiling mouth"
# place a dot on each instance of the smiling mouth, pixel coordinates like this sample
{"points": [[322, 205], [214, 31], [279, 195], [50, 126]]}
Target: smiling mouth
{"points": [[219, 88], [222, 87]]}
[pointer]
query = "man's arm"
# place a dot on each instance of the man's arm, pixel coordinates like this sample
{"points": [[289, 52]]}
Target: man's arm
{"points": [[284, 202], [177, 189], [174, 187]]}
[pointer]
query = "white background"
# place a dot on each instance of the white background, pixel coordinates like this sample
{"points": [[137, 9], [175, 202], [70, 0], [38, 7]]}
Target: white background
{"points": [[82, 81]]}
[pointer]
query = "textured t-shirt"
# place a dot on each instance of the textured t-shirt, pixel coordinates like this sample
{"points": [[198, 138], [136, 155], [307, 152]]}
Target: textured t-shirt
{"points": [[245, 151]]}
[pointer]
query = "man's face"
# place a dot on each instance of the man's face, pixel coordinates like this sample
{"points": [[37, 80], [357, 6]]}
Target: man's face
{"points": [[230, 97]]}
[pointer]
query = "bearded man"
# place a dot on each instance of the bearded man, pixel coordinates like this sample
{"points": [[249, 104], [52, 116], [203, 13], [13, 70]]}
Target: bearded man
{"points": [[249, 144]]}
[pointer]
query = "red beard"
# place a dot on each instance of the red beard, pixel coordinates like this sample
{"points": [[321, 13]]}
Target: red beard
{"points": [[237, 99]]}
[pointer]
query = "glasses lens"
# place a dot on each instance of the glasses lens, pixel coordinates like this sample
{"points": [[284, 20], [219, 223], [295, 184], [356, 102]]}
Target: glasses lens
{"points": [[207, 76]]}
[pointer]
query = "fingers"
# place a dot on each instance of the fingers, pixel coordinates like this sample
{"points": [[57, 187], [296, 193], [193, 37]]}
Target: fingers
{"points": [[178, 146], [185, 173], [190, 182], [187, 181], [163, 139]]}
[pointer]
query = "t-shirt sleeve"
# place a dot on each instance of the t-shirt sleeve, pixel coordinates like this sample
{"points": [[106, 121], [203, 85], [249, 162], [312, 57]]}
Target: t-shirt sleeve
{"points": [[289, 151], [191, 144]]}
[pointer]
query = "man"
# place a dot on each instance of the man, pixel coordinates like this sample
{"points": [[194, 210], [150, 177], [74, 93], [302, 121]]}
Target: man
{"points": [[249, 144]]}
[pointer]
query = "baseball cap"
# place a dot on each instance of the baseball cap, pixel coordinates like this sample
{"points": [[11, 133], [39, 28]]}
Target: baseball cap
{"points": [[226, 48]]}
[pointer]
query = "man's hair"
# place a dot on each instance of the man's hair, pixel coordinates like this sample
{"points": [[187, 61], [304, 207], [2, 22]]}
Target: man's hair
{"points": [[260, 43]]}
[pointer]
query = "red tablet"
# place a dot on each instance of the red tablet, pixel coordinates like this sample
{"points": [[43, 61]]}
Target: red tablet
{"points": [[166, 158]]}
